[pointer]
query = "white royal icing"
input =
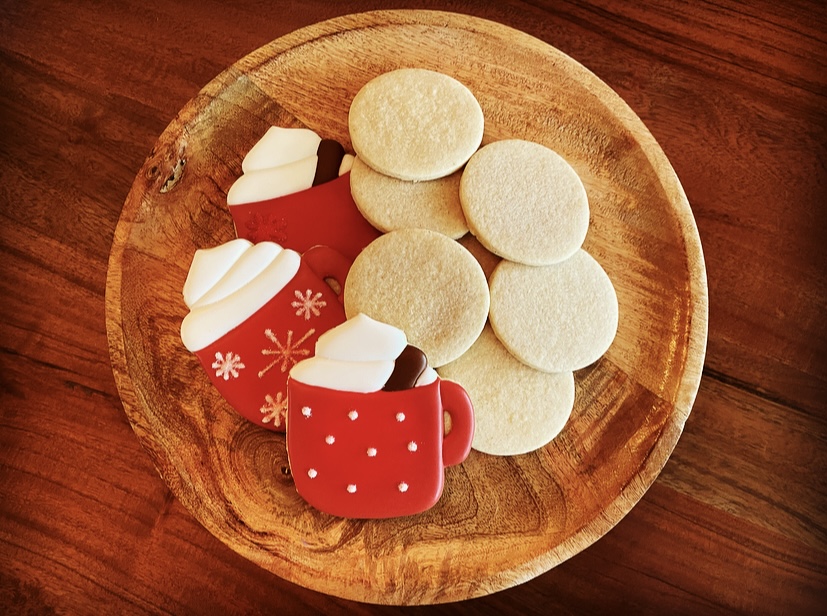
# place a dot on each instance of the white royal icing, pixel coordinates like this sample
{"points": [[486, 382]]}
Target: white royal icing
{"points": [[346, 164], [248, 265], [359, 355], [427, 377], [361, 338], [207, 322], [280, 146], [363, 377], [208, 267], [282, 162], [273, 182]]}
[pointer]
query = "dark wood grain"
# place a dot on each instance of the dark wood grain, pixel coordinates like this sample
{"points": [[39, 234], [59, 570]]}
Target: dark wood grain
{"points": [[734, 93]]}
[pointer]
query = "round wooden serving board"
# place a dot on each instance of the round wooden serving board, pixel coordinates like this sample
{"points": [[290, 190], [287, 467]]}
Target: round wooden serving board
{"points": [[501, 520]]}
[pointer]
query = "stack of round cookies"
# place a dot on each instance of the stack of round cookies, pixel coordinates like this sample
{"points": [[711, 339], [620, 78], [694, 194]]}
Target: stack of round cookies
{"points": [[514, 307]]}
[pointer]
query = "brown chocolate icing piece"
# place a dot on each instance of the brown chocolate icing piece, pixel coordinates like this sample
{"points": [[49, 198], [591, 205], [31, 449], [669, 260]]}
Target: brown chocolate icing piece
{"points": [[330, 155], [410, 364]]}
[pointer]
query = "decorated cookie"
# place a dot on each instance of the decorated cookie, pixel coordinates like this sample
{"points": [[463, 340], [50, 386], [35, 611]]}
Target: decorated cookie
{"points": [[517, 409], [556, 318], [295, 191], [425, 284], [415, 124], [365, 435], [524, 202], [282, 146], [390, 204], [285, 161], [255, 310]]}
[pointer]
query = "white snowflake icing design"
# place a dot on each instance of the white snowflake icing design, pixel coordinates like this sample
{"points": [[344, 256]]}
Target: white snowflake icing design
{"points": [[288, 353], [308, 304], [227, 366], [274, 409]]}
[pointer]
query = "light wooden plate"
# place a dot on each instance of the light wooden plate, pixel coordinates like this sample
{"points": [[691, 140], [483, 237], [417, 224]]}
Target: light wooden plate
{"points": [[501, 520]]}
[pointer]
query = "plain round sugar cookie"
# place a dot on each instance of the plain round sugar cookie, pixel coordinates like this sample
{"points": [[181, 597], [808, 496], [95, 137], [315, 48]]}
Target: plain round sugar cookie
{"points": [[425, 284], [555, 318], [390, 204], [487, 259], [524, 202], [415, 124], [516, 409]]}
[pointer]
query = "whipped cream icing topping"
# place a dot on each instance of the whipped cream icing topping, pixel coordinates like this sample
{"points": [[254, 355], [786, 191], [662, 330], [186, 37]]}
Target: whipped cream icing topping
{"points": [[280, 146], [359, 356], [229, 283], [210, 265], [285, 161]]}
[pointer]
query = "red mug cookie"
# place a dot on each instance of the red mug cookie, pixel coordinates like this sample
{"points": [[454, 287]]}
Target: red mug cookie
{"points": [[375, 455], [256, 310], [379, 451], [295, 190], [324, 214]]}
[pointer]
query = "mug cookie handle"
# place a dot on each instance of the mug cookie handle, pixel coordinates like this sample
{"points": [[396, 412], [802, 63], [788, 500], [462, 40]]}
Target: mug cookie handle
{"points": [[326, 262], [457, 443]]}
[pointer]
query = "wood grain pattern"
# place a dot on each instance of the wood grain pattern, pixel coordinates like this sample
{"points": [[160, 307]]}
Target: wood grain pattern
{"points": [[501, 520], [734, 92]]}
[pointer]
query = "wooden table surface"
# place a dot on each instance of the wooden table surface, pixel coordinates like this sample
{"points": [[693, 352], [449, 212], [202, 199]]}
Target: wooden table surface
{"points": [[736, 94]]}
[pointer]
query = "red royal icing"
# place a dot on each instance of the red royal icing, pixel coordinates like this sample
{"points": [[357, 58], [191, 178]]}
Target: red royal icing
{"points": [[379, 454], [325, 214], [250, 364]]}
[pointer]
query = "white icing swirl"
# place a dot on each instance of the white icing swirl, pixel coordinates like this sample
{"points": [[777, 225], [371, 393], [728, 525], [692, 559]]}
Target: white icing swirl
{"points": [[359, 356], [280, 146], [281, 163], [229, 283]]}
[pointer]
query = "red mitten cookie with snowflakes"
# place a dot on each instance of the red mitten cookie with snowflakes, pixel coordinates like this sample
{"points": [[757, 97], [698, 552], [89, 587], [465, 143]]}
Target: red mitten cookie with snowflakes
{"points": [[295, 190], [366, 429], [256, 310]]}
